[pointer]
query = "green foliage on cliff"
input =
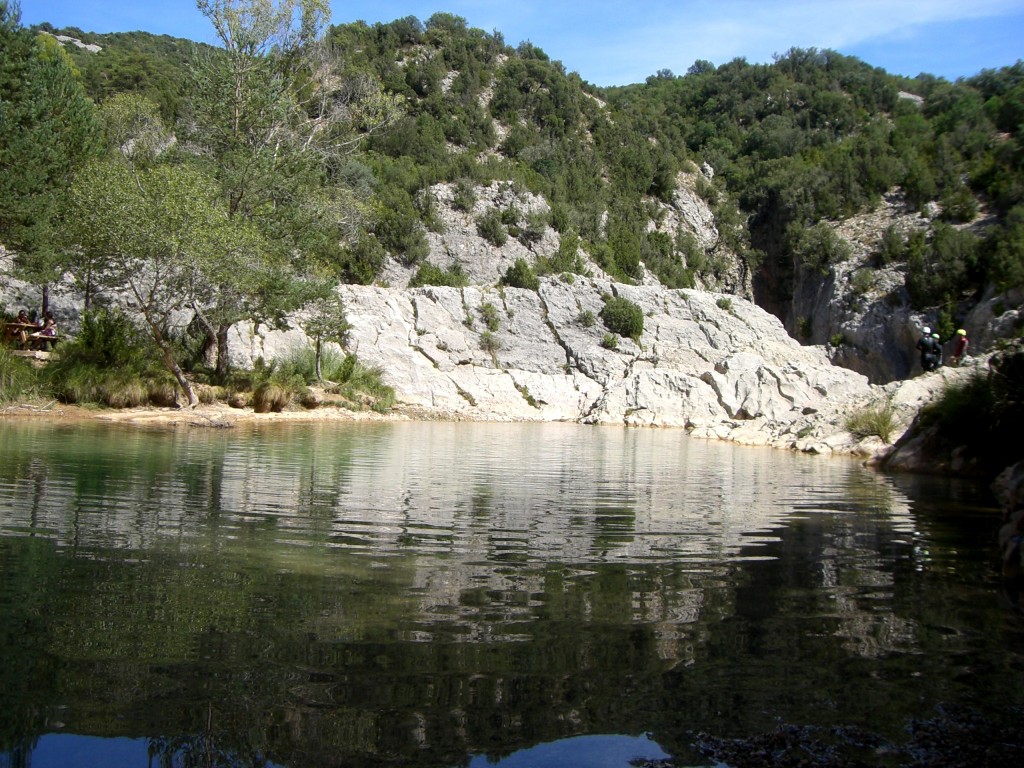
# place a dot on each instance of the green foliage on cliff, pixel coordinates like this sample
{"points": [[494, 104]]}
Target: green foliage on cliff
{"points": [[521, 275], [816, 135], [622, 316]]}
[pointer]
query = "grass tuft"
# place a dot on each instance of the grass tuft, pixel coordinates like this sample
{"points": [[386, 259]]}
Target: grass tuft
{"points": [[874, 421]]}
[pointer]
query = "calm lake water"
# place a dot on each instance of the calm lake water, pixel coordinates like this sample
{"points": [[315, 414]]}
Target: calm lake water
{"points": [[434, 594]]}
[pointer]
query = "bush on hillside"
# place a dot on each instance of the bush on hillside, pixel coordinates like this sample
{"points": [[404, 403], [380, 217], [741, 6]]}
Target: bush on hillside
{"points": [[623, 317], [521, 275], [431, 274], [490, 227]]}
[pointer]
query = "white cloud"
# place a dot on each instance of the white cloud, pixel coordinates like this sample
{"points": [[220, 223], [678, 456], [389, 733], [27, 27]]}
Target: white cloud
{"points": [[629, 45]]}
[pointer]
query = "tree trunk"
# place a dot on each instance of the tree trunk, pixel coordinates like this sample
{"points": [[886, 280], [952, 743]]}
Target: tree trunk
{"points": [[222, 352], [179, 375], [319, 372], [172, 364], [209, 350]]}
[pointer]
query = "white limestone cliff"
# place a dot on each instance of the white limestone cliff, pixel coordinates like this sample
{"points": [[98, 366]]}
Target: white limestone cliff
{"points": [[717, 366]]}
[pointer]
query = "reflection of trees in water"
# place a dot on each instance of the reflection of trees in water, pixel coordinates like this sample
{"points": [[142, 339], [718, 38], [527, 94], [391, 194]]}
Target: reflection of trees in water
{"points": [[441, 608]]}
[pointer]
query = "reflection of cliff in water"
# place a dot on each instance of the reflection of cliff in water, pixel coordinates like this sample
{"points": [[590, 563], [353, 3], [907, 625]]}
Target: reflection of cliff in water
{"points": [[417, 593]]}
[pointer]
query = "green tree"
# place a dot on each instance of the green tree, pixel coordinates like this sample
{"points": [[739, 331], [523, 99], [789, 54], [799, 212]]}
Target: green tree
{"points": [[47, 131], [1006, 259], [818, 247], [273, 115], [324, 320], [943, 273], [156, 231]]}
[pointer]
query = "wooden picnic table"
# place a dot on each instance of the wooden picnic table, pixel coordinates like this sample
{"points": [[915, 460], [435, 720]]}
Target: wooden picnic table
{"points": [[13, 330]]}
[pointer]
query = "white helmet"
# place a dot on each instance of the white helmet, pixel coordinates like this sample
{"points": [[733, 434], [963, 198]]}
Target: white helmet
{"points": [[926, 330]]}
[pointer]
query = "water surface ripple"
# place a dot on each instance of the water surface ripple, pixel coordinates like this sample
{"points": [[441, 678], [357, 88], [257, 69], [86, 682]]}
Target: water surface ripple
{"points": [[433, 593]]}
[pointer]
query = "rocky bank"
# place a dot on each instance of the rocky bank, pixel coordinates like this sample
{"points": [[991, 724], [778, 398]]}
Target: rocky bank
{"points": [[715, 365]]}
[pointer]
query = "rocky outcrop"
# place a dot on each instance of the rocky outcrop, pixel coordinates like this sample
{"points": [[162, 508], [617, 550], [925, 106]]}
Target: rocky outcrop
{"points": [[716, 365], [861, 310]]}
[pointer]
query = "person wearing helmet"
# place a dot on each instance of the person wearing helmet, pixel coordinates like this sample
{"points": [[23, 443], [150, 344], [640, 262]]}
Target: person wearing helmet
{"points": [[929, 349], [960, 351]]}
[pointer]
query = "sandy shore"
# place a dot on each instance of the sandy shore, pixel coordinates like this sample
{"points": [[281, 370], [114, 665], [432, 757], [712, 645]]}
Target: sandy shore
{"points": [[216, 415]]}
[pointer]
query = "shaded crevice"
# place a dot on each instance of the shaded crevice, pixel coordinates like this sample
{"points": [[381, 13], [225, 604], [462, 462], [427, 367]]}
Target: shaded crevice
{"points": [[570, 358], [415, 316], [708, 378], [424, 352]]}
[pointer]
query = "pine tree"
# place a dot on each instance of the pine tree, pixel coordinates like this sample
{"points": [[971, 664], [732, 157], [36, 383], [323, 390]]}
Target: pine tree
{"points": [[47, 130]]}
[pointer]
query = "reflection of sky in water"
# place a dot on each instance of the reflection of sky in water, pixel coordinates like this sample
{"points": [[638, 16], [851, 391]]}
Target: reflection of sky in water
{"points": [[60, 750], [580, 752]]}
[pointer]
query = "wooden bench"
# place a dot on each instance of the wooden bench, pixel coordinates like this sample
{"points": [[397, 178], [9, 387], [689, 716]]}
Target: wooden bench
{"points": [[41, 342]]}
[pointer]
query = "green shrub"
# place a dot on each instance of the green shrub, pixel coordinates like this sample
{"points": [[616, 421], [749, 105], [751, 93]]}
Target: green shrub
{"points": [[363, 260], [586, 318], [873, 421], [271, 397], [489, 342], [623, 317], [346, 375], [489, 313], [127, 393], [532, 229], [109, 362], [426, 204], [362, 384], [429, 274], [490, 227], [566, 259], [863, 282], [18, 378], [893, 248], [610, 341], [521, 275], [818, 247], [724, 303], [398, 227], [939, 275], [959, 205], [465, 196]]}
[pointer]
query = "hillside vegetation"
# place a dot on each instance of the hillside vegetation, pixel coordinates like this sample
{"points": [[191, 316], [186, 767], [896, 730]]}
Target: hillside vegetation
{"points": [[283, 165]]}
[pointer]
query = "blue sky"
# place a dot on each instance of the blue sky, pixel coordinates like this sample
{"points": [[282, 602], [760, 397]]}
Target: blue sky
{"points": [[617, 43]]}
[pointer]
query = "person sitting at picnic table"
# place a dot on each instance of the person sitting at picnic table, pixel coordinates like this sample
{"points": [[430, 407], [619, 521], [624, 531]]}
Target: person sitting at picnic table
{"points": [[23, 324], [47, 334]]}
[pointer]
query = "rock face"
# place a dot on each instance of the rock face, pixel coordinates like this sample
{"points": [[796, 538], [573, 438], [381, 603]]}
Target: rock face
{"points": [[718, 366], [862, 311]]}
